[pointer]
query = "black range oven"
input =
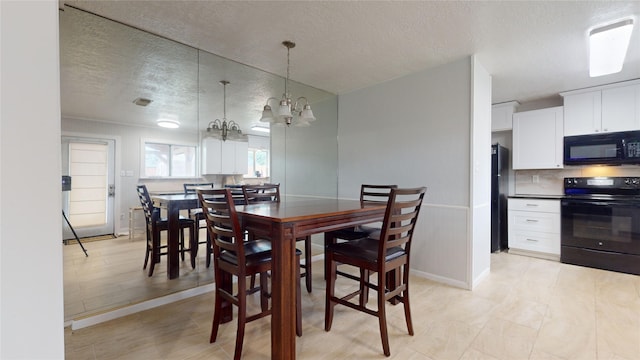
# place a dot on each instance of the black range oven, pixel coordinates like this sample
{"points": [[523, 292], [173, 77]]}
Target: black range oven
{"points": [[600, 225]]}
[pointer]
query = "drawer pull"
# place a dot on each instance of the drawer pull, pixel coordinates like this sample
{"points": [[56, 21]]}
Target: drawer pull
{"points": [[534, 240], [532, 220], [532, 205]]}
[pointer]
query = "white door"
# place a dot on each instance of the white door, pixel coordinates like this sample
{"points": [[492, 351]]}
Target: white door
{"points": [[89, 204]]}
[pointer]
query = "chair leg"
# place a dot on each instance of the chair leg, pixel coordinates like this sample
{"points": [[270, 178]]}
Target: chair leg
{"points": [[328, 239], [217, 309], [264, 290], [331, 281], [307, 263], [242, 316], [382, 315], [193, 245], [364, 289], [405, 300], [209, 249], [147, 251], [182, 244], [155, 251]]}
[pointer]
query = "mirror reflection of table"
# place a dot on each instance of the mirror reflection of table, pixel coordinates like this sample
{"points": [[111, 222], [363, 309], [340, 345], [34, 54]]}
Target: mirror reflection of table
{"points": [[282, 223], [173, 203]]}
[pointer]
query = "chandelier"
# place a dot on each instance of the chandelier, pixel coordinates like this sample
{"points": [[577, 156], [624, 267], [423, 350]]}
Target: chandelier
{"points": [[223, 129], [289, 112]]}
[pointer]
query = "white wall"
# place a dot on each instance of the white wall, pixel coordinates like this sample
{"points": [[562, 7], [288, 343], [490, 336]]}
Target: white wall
{"points": [[415, 131], [480, 240], [304, 159], [31, 308]]}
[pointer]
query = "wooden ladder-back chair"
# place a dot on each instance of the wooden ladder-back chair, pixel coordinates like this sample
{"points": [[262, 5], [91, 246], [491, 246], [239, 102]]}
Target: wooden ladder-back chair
{"points": [[387, 255], [255, 194], [233, 256], [197, 216], [156, 224], [368, 194]]}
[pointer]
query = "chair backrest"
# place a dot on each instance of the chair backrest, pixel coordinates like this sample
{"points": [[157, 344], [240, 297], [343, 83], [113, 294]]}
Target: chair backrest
{"points": [[399, 221], [190, 188], [261, 193], [375, 193], [151, 213], [222, 222]]}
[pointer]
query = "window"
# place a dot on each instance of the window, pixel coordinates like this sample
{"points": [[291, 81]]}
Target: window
{"points": [[169, 160], [258, 163]]}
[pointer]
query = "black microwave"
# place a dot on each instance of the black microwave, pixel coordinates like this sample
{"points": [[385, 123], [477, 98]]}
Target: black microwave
{"points": [[603, 149]]}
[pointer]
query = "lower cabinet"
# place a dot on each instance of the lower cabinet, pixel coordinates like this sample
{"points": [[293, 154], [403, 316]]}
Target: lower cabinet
{"points": [[534, 227]]}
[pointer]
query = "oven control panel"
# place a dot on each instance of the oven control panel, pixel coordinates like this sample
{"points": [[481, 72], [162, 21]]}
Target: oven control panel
{"points": [[602, 185]]}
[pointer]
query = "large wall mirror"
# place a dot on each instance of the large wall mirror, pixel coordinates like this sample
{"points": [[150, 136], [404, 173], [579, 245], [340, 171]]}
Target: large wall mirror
{"points": [[105, 67]]}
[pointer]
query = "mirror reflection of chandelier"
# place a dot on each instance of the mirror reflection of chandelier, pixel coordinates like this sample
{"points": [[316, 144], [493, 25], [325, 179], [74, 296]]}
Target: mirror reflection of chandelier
{"points": [[223, 129], [289, 112]]}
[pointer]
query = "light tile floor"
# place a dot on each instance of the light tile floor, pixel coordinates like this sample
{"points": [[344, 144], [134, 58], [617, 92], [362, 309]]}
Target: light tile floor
{"points": [[527, 308]]}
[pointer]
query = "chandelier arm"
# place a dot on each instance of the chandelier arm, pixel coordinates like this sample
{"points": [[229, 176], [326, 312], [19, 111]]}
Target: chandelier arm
{"points": [[269, 99], [306, 102]]}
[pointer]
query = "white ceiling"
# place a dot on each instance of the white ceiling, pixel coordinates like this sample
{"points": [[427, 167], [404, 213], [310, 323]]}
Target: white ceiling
{"points": [[533, 49]]}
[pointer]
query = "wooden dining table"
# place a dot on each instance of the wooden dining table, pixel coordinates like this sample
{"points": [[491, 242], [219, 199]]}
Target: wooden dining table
{"points": [[282, 223]]}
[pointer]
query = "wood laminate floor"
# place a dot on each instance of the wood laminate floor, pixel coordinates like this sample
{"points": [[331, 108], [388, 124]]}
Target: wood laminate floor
{"points": [[527, 308]]}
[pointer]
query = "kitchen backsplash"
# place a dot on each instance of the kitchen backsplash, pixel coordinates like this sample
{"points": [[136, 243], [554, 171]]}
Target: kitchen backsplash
{"points": [[550, 182]]}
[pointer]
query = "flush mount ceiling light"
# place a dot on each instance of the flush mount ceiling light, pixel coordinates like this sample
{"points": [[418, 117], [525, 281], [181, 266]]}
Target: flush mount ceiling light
{"points": [[260, 128], [168, 123], [608, 47], [289, 112], [221, 128]]}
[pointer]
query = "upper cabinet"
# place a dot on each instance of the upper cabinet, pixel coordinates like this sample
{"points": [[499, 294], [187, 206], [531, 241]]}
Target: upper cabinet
{"points": [[609, 108], [502, 115], [224, 157], [537, 139]]}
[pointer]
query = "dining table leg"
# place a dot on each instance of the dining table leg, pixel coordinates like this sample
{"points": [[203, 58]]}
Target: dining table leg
{"points": [[283, 293], [173, 242]]}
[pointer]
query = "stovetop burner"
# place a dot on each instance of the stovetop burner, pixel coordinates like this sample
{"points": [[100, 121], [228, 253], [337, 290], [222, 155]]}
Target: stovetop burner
{"points": [[602, 187]]}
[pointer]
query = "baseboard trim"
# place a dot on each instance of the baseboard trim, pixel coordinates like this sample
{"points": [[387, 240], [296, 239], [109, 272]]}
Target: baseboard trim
{"points": [[141, 306]]}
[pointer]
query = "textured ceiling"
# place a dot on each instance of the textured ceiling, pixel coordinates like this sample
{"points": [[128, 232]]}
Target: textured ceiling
{"points": [[533, 49]]}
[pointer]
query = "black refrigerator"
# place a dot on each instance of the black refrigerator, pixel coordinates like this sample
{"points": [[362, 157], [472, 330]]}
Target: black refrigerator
{"points": [[499, 191]]}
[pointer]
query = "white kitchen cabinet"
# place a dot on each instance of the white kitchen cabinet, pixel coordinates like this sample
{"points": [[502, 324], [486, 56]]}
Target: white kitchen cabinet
{"points": [[234, 157], [609, 108], [211, 156], [502, 115], [582, 113], [534, 227], [224, 157], [538, 139], [621, 108]]}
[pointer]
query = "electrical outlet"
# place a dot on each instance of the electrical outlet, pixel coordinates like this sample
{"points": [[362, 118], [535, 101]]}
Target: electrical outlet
{"points": [[535, 179]]}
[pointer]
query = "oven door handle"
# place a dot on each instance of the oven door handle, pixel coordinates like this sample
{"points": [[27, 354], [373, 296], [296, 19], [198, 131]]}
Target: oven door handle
{"points": [[598, 203]]}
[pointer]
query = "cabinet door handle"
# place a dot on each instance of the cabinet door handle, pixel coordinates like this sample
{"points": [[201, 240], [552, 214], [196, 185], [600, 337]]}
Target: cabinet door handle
{"points": [[533, 240]]}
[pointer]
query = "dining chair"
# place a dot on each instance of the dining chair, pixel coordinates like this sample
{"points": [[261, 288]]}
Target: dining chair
{"points": [[197, 216], [368, 194], [385, 256], [156, 224], [256, 194], [233, 256]]}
